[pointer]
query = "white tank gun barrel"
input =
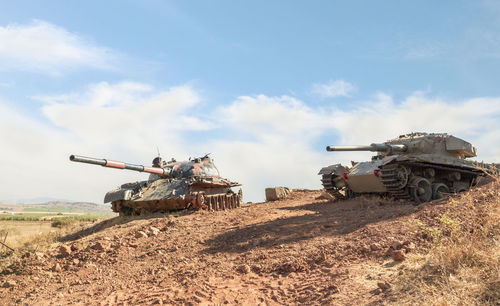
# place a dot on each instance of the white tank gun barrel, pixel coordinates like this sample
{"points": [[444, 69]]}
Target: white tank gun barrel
{"points": [[374, 147]]}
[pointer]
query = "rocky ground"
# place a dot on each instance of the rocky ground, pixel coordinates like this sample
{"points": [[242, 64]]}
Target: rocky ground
{"points": [[302, 250]]}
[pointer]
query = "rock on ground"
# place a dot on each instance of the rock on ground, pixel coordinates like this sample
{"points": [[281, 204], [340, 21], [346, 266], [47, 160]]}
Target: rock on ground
{"points": [[277, 193]]}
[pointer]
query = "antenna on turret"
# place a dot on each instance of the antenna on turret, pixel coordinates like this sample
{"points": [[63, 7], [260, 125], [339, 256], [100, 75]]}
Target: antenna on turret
{"points": [[158, 150]]}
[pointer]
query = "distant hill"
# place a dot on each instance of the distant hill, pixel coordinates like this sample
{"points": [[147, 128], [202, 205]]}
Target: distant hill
{"points": [[61, 206], [38, 200]]}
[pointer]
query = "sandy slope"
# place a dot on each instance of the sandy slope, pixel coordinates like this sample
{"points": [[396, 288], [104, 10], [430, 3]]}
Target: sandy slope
{"points": [[304, 249]]}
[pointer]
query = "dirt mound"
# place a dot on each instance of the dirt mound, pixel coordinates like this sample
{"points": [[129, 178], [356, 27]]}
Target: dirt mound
{"points": [[304, 249]]}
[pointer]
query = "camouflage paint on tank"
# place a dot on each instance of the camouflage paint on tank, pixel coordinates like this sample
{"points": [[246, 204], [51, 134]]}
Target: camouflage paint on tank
{"points": [[175, 185], [202, 167]]}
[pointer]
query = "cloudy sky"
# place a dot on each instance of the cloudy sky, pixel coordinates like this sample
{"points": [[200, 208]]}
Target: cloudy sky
{"points": [[262, 85]]}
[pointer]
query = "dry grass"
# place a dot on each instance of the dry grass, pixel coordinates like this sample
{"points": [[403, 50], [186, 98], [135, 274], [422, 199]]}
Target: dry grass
{"points": [[463, 265], [34, 236], [17, 233]]}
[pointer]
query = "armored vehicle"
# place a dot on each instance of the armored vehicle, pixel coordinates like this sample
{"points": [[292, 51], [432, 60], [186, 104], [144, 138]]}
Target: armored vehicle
{"points": [[416, 166], [172, 185]]}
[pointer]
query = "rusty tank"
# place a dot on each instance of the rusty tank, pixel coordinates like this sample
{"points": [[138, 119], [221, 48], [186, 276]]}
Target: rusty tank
{"points": [[172, 185], [417, 166]]}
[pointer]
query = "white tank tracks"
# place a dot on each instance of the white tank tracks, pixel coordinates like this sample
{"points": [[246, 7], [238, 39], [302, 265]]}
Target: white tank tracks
{"points": [[329, 185], [395, 176]]}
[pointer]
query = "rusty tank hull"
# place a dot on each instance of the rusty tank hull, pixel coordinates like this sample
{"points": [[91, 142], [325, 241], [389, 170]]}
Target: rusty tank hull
{"points": [[164, 195], [417, 166], [192, 184]]}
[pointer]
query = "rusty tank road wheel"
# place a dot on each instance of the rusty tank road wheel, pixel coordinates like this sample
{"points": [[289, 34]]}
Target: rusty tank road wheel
{"points": [[202, 201], [190, 184], [222, 202]]}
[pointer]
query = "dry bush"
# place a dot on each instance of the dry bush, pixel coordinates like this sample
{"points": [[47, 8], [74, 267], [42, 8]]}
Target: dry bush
{"points": [[39, 242], [463, 265]]}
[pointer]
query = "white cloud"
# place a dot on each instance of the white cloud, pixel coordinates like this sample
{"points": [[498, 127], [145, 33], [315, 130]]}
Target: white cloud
{"points": [[475, 120], [280, 152], [259, 141], [263, 116], [124, 121], [332, 89], [49, 49], [128, 110], [279, 161], [284, 131]]}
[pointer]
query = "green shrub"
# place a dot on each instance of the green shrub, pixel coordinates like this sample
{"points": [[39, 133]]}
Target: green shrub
{"points": [[68, 220]]}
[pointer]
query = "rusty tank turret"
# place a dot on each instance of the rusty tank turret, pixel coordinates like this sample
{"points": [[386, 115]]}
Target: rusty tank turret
{"points": [[416, 166], [172, 185]]}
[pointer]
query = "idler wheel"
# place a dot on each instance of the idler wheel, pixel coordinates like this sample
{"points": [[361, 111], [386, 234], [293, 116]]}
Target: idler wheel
{"points": [[421, 190], [439, 190]]}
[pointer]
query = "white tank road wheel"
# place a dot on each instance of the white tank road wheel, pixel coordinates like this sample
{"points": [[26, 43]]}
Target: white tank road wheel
{"points": [[439, 190], [421, 190], [402, 174]]}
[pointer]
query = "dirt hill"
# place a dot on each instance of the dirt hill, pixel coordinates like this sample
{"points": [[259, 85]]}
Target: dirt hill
{"points": [[302, 250]]}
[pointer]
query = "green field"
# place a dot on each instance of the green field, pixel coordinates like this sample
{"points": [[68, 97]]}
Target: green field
{"points": [[23, 217], [52, 209], [48, 217]]}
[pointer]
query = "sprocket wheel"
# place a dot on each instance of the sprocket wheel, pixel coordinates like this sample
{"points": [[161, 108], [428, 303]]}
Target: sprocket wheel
{"points": [[395, 178]]}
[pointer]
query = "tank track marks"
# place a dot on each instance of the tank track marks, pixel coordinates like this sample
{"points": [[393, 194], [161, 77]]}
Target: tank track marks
{"points": [[395, 178], [211, 202], [329, 185]]}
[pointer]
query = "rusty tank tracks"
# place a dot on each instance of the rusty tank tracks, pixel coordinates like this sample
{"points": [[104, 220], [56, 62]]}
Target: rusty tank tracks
{"points": [[213, 202]]}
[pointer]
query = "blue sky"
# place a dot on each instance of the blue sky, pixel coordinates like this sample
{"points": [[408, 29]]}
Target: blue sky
{"points": [[249, 81]]}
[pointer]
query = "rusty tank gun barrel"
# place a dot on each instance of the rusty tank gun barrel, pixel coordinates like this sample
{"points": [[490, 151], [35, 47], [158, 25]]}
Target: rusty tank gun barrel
{"points": [[374, 147], [119, 165]]}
